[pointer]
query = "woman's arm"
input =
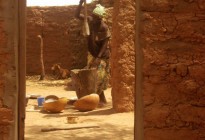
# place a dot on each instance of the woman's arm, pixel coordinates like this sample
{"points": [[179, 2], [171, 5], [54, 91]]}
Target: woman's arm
{"points": [[96, 61], [105, 40], [103, 48]]}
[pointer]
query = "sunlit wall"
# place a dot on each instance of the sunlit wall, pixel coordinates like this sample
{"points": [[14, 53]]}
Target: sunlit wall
{"points": [[53, 2]]}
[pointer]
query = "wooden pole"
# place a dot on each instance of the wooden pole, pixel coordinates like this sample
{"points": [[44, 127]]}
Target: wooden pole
{"points": [[66, 128], [139, 127]]}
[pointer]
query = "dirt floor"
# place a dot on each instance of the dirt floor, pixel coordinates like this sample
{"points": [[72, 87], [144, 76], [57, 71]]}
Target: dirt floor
{"points": [[112, 126]]}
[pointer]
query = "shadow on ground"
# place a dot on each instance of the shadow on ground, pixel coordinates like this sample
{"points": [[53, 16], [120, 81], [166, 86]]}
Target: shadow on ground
{"points": [[106, 111], [105, 132]]}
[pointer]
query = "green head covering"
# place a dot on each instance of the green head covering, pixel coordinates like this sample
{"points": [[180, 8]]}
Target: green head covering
{"points": [[99, 11]]}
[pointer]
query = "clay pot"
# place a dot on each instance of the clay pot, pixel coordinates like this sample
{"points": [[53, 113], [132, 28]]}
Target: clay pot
{"points": [[87, 103], [55, 105], [54, 97]]}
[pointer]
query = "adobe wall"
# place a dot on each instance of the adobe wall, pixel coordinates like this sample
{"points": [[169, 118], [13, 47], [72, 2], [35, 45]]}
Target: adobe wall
{"points": [[63, 40], [172, 38], [123, 55], [8, 73], [173, 41]]}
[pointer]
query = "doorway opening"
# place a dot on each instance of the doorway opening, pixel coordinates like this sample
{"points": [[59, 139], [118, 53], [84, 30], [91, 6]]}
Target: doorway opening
{"points": [[63, 43]]}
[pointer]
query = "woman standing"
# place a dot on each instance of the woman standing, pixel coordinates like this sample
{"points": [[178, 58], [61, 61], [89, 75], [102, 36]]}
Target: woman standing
{"points": [[98, 46]]}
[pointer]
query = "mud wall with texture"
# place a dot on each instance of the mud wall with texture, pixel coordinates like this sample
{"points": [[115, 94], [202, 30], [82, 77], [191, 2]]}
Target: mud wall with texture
{"points": [[123, 55], [173, 41], [62, 35], [8, 77], [63, 42]]}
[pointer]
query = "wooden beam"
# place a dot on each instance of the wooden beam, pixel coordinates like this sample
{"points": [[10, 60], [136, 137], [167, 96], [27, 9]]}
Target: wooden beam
{"points": [[139, 127], [21, 66]]}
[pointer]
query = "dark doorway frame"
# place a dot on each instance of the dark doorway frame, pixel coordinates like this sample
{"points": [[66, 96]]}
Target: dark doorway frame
{"points": [[138, 123], [21, 67]]}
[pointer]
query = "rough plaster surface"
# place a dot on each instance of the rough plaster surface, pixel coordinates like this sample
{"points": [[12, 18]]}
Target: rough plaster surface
{"points": [[63, 42], [123, 55], [172, 36], [7, 69]]}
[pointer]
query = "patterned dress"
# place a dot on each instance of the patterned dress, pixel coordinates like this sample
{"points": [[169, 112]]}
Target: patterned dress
{"points": [[95, 42]]}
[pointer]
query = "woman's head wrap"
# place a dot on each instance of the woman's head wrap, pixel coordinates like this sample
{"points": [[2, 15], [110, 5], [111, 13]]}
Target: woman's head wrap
{"points": [[99, 11]]}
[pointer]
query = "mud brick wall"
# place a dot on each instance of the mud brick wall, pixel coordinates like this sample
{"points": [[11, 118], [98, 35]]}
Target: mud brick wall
{"points": [[173, 41], [8, 91], [63, 40], [123, 55]]}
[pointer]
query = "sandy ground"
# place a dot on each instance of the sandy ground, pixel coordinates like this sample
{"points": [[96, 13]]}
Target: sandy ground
{"points": [[112, 126]]}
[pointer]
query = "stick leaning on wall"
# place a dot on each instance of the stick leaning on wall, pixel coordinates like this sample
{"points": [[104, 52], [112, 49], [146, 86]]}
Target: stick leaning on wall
{"points": [[41, 58]]}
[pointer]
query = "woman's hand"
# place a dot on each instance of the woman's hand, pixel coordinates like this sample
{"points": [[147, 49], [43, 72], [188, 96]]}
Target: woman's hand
{"points": [[95, 63]]}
